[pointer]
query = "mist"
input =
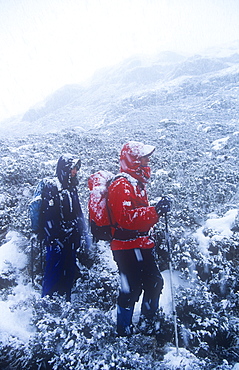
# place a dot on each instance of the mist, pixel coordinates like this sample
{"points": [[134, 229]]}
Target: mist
{"points": [[46, 45]]}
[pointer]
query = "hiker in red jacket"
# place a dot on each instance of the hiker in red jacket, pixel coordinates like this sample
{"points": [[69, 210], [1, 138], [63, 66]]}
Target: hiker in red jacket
{"points": [[131, 245]]}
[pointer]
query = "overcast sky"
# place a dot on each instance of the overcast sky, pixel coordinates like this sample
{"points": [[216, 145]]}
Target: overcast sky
{"points": [[45, 44]]}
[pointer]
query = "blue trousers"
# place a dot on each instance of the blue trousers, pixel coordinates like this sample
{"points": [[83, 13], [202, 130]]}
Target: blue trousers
{"points": [[60, 269]]}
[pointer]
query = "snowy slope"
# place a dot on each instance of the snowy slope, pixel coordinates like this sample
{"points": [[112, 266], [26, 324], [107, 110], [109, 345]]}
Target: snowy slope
{"points": [[188, 109], [181, 87]]}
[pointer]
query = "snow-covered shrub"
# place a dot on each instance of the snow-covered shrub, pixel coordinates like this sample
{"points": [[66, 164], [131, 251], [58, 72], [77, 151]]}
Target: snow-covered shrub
{"points": [[71, 336], [195, 162], [97, 282], [207, 306]]}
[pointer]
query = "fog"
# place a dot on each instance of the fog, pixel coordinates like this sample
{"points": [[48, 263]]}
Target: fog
{"points": [[48, 44]]}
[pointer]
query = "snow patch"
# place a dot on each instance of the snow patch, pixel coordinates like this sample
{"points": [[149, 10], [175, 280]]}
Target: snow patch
{"points": [[220, 143], [2, 200], [204, 129], [10, 254], [222, 226], [184, 360], [165, 300], [15, 317], [161, 172]]}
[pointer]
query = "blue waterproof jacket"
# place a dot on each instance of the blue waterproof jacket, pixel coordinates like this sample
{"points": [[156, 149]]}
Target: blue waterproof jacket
{"points": [[62, 226]]}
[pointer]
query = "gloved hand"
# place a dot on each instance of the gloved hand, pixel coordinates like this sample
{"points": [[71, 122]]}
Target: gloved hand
{"points": [[163, 206]]}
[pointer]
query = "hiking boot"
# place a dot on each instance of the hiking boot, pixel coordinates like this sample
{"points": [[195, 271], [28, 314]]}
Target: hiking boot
{"points": [[148, 326], [124, 321], [125, 332]]}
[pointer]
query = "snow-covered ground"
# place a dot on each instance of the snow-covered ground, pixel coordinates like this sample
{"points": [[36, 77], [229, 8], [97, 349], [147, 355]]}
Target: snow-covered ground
{"points": [[16, 318], [188, 109]]}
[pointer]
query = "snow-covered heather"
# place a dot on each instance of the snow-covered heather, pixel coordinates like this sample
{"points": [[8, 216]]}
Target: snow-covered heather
{"points": [[15, 320], [189, 110], [16, 316]]}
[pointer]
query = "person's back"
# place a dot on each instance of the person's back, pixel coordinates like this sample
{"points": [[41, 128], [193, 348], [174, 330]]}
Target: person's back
{"points": [[62, 225]]}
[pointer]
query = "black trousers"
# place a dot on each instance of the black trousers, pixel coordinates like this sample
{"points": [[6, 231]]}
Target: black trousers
{"points": [[138, 272]]}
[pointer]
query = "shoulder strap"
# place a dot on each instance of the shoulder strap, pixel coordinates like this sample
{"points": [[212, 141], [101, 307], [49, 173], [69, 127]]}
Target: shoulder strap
{"points": [[128, 177]]}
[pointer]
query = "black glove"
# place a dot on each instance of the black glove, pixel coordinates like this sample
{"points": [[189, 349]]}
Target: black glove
{"points": [[163, 206]]}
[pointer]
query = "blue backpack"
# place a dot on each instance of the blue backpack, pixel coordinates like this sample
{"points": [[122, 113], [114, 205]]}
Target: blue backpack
{"points": [[35, 208]]}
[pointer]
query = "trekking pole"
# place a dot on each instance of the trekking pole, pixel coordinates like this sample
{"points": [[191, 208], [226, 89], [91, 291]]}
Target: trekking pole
{"points": [[41, 255], [168, 243], [32, 259]]}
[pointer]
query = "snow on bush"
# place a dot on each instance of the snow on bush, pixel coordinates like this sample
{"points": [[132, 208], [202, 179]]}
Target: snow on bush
{"points": [[195, 162]]}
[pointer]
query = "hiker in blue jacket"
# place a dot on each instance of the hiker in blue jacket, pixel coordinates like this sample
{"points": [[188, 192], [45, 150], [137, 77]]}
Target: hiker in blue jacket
{"points": [[62, 225]]}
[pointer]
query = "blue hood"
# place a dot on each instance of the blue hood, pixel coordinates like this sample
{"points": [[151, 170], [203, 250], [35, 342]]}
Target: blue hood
{"points": [[63, 170]]}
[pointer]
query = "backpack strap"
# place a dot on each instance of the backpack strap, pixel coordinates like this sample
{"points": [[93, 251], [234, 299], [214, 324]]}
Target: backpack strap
{"points": [[127, 176]]}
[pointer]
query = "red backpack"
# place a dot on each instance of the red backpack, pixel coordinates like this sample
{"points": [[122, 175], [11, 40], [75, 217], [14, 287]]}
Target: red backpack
{"points": [[99, 217]]}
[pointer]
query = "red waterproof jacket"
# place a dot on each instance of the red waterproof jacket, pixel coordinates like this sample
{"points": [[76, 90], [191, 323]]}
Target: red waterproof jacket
{"points": [[130, 213]]}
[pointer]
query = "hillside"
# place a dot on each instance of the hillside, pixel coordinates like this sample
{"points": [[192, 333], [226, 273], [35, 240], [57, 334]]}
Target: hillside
{"points": [[188, 108]]}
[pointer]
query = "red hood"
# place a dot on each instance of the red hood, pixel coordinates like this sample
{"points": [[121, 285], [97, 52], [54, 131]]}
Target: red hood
{"points": [[130, 160]]}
